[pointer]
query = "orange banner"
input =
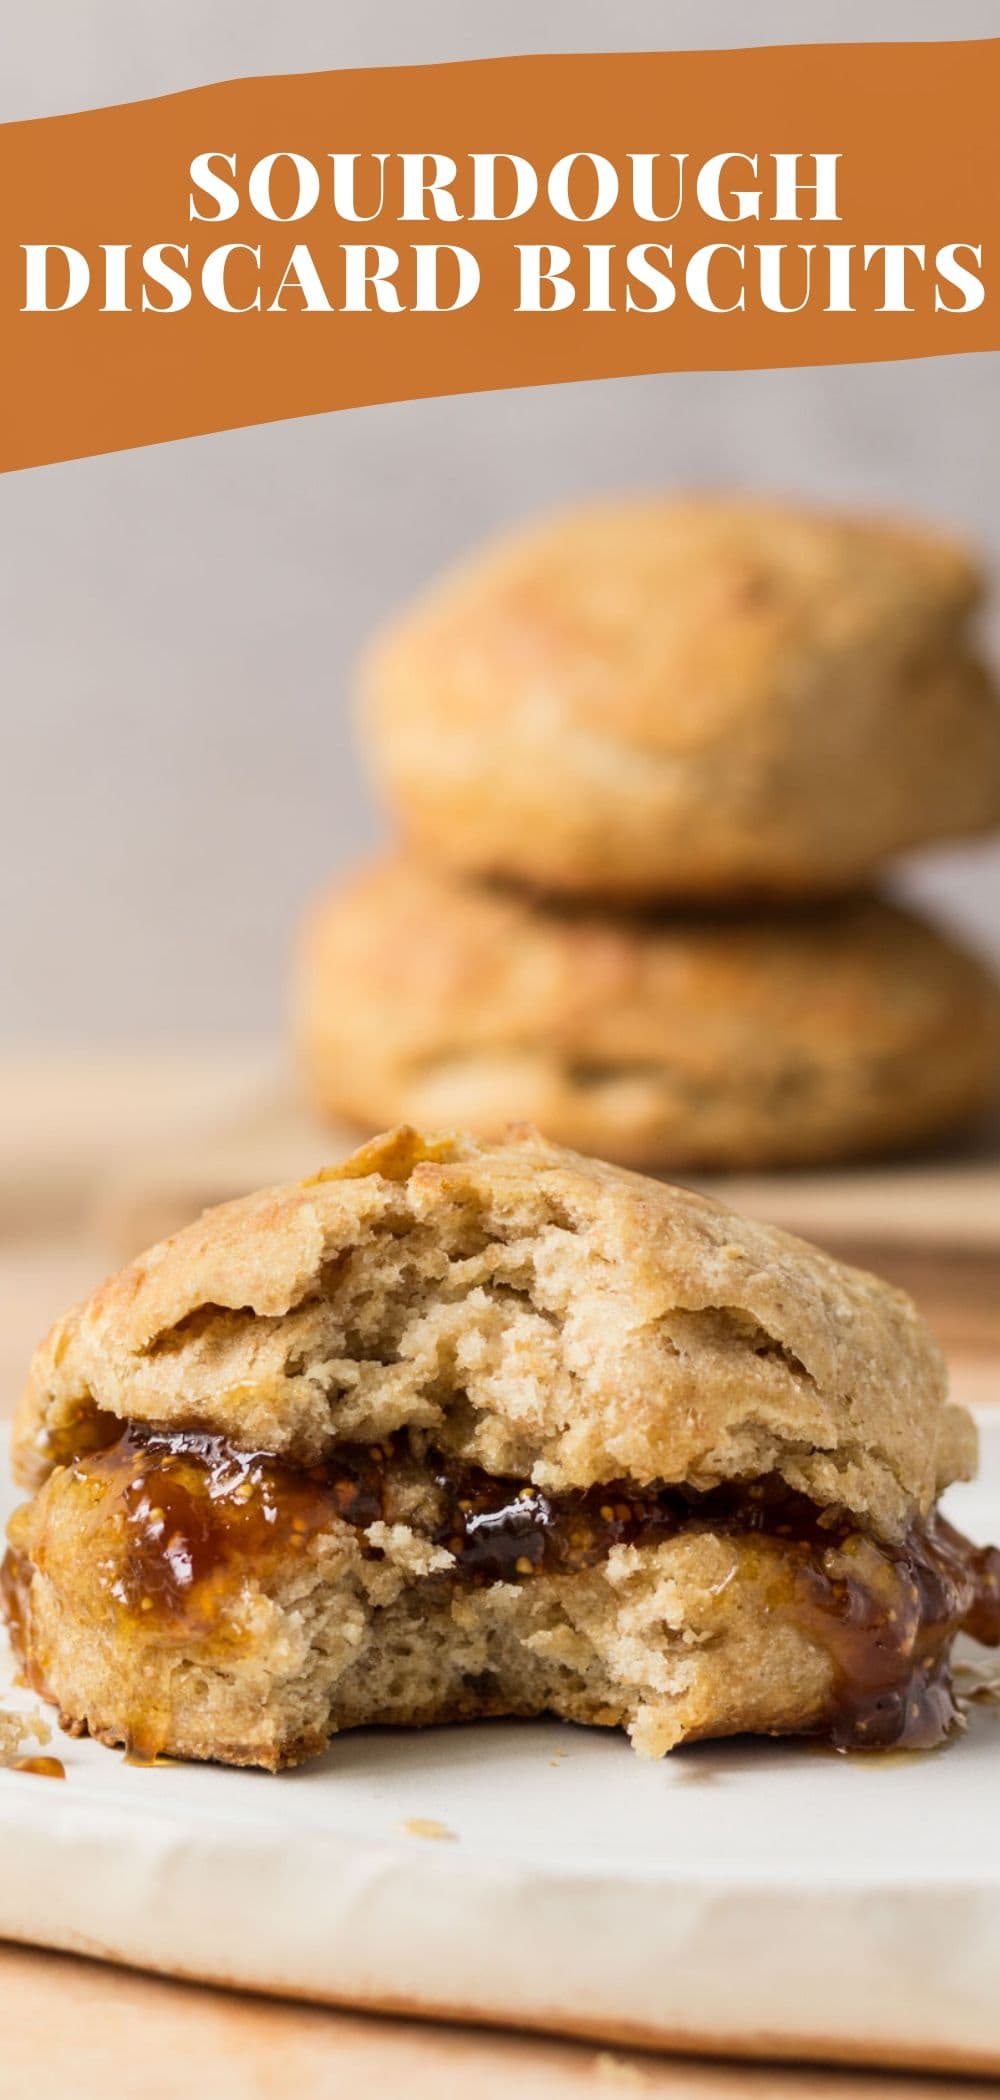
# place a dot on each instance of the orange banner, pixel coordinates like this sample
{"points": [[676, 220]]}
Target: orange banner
{"points": [[273, 248]]}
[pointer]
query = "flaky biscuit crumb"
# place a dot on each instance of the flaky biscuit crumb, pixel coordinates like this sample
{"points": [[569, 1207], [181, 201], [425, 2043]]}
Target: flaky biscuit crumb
{"points": [[18, 1729]]}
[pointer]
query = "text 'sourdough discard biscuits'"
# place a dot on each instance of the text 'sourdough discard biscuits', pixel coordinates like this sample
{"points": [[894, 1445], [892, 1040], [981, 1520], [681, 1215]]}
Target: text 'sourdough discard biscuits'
{"points": [[825, 1032], [451, 1431], [689, 698]]}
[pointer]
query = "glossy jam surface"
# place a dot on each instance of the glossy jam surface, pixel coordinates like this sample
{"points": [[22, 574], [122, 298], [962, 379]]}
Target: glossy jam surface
{"points": [[190, 1510], [183, 1516], [885, 1615], [888, 1625]]}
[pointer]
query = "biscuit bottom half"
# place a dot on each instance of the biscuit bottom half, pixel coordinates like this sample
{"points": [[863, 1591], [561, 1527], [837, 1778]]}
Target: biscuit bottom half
{"points": [[174, 1594]]}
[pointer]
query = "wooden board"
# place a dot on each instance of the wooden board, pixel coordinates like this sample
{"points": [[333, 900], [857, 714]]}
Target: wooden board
{"points": [[94, 2031]]}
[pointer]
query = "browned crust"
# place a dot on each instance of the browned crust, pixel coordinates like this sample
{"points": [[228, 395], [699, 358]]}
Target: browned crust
{"points": [[706, 1328], [689, 696], [662, 1041]]}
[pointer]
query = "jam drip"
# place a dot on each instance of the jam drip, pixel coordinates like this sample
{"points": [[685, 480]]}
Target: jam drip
{"points": [[886, 1615], [181, 1516]]}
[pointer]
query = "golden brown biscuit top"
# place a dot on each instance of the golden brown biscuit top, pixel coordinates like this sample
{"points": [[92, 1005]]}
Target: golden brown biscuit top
{"points": [[669, 621], [538, 1313]]}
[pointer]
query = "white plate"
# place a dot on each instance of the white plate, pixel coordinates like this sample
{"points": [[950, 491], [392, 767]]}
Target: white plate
{"points": [[745, 1898]]}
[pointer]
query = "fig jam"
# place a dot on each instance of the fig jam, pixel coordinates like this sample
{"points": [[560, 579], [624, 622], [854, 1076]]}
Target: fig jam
{"points": [[187, 1515]]}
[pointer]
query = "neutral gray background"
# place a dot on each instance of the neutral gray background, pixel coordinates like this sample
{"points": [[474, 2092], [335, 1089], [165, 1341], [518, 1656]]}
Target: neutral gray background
{"points": [[179, 625]]}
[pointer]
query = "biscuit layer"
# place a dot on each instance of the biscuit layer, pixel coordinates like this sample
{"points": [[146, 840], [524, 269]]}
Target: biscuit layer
{"points": [[690, 697], [660, 1040], [538, 1314], [172, 1593]]}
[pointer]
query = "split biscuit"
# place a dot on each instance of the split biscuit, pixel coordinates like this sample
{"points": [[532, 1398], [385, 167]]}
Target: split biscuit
{"points": [[454, 1431]]}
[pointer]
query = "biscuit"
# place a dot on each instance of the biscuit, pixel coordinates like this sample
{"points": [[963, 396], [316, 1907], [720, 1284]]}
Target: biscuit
{"points": [[452, 1430], [842, 1029], [688, 697]]}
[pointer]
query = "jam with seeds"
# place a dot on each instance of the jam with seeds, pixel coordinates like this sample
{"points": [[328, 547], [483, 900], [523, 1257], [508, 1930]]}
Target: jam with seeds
{"points": [[191, 1509], [183, 1517]]}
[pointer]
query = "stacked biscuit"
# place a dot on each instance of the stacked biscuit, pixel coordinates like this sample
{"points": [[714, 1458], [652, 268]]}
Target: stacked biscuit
{"points": [[645, 760]]}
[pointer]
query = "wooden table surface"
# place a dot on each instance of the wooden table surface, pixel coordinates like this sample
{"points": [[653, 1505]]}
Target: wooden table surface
{"points": [[66, 1136]]}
